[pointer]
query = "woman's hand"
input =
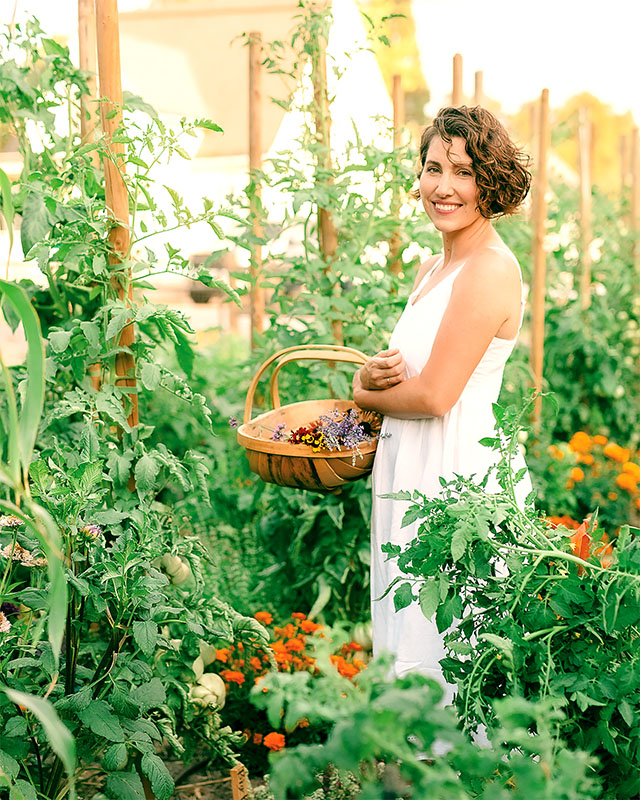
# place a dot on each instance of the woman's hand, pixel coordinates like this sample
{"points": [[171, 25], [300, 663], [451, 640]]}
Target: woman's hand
{"points": [[382, 371]]}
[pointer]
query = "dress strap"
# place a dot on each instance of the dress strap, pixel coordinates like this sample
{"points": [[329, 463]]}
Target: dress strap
{"points": [[426, 276]]}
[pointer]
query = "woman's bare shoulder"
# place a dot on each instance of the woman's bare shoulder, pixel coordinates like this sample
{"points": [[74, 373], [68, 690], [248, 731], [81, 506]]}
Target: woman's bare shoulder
{"points": [[424, 268], [492, 267]]}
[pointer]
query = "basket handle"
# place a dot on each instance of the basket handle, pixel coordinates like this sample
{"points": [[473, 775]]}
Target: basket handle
{"points": [[320, 352]]}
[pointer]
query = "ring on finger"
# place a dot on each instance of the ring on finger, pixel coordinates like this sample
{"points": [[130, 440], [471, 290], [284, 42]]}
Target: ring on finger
{"points": [[388, 381]]}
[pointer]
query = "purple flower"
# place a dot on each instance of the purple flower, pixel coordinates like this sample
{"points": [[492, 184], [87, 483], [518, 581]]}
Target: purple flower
{"points": [[92, 531], [279, 432], [9, 608], [233, 422]]}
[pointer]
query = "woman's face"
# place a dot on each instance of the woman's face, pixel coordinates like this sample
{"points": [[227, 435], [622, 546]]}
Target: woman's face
{"points": [[448, 186]]}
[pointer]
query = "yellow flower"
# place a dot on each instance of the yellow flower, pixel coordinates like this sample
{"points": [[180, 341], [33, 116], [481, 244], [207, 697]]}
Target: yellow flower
{"points": [[577, 475]]}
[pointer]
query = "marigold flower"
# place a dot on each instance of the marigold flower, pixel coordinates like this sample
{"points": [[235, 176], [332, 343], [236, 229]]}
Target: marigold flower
{"points": [[565, 521], [223, 654], [257, 738], [299, 615], [347, 670], [264, 617], [303, 723], [5, 625], [255, 663], [587, 459], [580, 442], [274, 741], [616, 453], [600, 439], [354, 646], [294, 645], [232, 676], [555, 452], [632, 469], [612, 496], [627, 482], [288, 632], [309, 627], [577, 475]]}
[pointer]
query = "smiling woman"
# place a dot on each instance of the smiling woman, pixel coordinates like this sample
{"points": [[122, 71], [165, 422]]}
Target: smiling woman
{"points": [[438, 381]]}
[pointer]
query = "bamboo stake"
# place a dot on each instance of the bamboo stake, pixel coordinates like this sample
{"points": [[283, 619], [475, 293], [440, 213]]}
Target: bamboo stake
{"points": [[87, 59], [456, 95], [478, 94], [326, 228], [584, 152], [255, 164], [115, 191], [539, 261], [395, 263]]}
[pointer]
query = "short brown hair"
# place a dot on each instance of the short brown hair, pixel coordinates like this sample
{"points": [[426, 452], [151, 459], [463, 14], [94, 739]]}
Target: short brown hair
{"points": [[501, 173]]}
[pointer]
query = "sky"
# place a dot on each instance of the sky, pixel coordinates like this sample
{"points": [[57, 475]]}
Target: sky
{"points": [[566, 46]]}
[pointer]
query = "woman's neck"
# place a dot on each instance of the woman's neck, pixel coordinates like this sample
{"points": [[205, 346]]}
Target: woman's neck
{"points": [[459, 245]]}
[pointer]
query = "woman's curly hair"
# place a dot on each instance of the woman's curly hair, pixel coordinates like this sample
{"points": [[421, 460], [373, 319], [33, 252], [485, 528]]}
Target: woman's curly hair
{"points": [[501, 173]]}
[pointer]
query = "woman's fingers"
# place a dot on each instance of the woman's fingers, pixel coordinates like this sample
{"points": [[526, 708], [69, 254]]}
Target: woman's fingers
{"points": [[385, 369]]}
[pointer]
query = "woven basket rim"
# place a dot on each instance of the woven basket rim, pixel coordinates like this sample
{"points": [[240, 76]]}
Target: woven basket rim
{"points": [[255, 443]]}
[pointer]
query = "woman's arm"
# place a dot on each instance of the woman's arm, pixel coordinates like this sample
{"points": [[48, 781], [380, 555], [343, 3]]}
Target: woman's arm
{"points": [[485, 295]]}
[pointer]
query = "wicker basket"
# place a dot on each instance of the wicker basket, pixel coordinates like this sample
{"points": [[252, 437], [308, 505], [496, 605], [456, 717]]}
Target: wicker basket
{"points": [[297, 465]]}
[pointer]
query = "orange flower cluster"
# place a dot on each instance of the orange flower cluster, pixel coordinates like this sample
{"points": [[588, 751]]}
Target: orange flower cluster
{"points": [[581, 544], [566, 521]]}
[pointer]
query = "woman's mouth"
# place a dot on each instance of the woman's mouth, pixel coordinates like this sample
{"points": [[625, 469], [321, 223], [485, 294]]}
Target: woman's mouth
{"points": [[446, 208]]}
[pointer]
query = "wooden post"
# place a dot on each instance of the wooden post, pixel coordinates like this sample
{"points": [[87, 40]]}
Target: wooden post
{"points": [[478, 94], [240, 784], [395, 263], [635, 202], [539, 260], [115, 191], [255, 163], [456, 95], [87, 59], [328, 237], [584, 152], [624, 163]]}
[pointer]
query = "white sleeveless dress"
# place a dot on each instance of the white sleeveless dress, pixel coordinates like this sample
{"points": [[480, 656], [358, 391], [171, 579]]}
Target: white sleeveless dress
{"points": [[414, 456]]}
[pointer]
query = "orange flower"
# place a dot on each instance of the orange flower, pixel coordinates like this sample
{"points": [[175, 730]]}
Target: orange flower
{"points": [[587, 459], [612, 496], [299, 615], [616, 453], [309, 627], [581, 544], [232, 676], [638, 503], [274, 741], [631, 469], [288, 632], [354, 646], [627, 482], [577, 475], [555, 452], [255, 663], [257, 738], [263, 617], [294, 645], [580, 442], [347, 670], [303, 723], [567, 522], [600, 439], [223, 654]]}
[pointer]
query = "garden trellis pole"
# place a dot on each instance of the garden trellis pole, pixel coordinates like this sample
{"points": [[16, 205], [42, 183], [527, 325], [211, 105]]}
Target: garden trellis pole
{"points": [[478, 93], [539, 260], [456, 94], [624, 163], [255, 164], [635, 203], [395, 263], [327, 235], [87, 60], [584, 153], [116, 197]]}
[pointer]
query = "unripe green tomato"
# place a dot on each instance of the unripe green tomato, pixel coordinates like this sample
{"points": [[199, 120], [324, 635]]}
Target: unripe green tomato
{"points": [[361, 634]]}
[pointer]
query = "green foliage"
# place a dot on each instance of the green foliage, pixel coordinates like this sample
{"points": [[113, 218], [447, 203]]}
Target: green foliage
{"points": [[526, 616]]}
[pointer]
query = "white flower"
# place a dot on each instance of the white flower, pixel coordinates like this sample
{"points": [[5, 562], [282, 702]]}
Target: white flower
{"points": [[5, 625]]}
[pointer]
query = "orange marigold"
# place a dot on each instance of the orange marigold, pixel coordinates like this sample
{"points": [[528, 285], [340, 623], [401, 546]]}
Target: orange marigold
{"points": [[263, 617], [600, 439], [257, 738], [577, 475], [274, 741], [632, 469], [612, 496], [299, 615], [566, 521], [627, 482], [308, 626], [288, 632], [303, 723], [255, 663], [347, 670], [294, 645], [555, 452], [223, 655], [580, 442], [587, 459], [232, 676], [616, 453]]}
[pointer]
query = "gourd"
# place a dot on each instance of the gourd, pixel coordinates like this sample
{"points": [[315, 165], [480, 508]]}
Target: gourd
{"points": [[209, 690]]}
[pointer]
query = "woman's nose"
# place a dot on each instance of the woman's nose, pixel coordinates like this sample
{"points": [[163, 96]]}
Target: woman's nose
{"points": [[444, 184]]}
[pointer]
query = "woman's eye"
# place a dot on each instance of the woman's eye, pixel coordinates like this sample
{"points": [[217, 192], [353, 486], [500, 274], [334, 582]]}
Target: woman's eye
{"points": [[431, 170], [466, 173]]}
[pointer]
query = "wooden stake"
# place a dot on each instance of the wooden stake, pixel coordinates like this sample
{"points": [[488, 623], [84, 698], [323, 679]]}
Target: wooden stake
{"points": [[624, 163], [240, 784], [115, 191], [478, 94], [635, 201], [395, 263], [87, 58], [456, 95], [328, 237], [584, 152], [539, 261], [255, 163]]}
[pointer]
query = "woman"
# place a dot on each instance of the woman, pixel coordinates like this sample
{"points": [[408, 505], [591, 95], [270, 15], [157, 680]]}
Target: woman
{"points": [[436, 384]]}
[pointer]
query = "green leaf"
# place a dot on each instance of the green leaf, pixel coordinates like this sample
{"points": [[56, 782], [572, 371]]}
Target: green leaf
{"points": [[116, 757], [35, 221], [337, 515], [458, 544], [8, 766], [403, 596], [91, 332], [16, 726], [149, 695], [8, 209], [59, 341], [499, 642], [150, 375], [145, 634], [429, 597], [58, 735], [146, 472], [162, 784], [53, 48], [208, 125], [22, 790], [101, 720], [124, 786]]}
